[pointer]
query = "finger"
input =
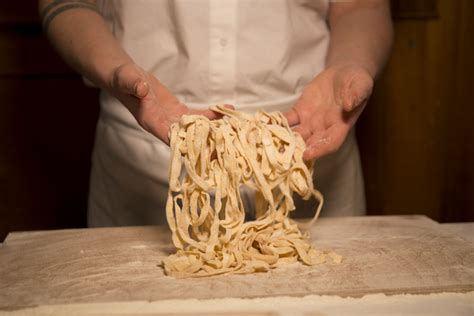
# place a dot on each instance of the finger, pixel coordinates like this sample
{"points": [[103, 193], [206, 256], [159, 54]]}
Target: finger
{"points": [[161, 132], [141, 89], [345, 92], [319, 145], [341, 83], [131, 80], [155, 127], [361, 89], [349, 97], [304, 132], [216, 114], [229, 106], [207, 113], [358, 90], [292, 117], [352, 116], [210, 114]]}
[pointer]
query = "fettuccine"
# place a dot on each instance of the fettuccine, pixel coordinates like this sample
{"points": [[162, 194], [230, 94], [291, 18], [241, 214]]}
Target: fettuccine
{"points": [[205, 211]]}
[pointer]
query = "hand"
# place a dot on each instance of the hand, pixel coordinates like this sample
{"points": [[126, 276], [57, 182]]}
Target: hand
{"points": [[329, 107], [154, 107]]}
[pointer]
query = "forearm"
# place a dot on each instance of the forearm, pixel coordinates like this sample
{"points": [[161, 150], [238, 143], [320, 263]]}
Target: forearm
{"points": [[361, 33], [82, 38]]}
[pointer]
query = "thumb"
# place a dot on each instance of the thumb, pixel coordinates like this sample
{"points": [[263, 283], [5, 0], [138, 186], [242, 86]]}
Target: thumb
{"points": [[352, 87], [292, 117], [131, 79]]}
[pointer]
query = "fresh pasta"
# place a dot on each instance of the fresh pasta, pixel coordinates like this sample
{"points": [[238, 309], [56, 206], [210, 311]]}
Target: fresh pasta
{"points": [[205, 211]]}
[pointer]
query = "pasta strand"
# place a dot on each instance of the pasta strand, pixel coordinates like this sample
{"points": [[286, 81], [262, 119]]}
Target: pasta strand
{"points": [[205, 211]]}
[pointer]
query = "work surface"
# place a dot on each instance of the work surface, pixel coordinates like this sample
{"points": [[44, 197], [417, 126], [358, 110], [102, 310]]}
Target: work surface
{"points": [[391, 255]]}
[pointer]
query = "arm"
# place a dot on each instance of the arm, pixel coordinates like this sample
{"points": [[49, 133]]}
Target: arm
{"points": [[82, 38], [361, 34], [361, 38]]}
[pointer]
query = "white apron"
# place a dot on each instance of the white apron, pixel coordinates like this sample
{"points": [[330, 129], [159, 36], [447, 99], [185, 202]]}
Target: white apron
{"points": [[255, 54]]}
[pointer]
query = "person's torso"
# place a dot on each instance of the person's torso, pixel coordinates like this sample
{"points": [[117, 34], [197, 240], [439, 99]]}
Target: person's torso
{"points": [[250, 53]]}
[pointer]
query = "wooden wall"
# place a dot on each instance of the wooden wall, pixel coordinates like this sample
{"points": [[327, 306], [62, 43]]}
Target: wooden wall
{"points": [[415, 136], [47, 123]]}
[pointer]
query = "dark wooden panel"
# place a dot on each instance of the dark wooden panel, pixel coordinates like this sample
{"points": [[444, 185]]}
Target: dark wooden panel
{"points": [[415, 136], [18, 12], [457, 198], [23, 48], [24, 51], [46, 135], [47, 123], [414, 9]]}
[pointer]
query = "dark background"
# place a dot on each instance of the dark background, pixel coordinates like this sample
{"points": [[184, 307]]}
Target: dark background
{"points": [[415, 136]]}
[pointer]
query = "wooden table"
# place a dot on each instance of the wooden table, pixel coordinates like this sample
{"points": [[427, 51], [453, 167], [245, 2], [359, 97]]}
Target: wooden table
{"points": [[382, 254]]}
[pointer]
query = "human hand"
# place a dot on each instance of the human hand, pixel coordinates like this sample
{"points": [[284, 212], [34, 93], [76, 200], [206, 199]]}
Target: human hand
{"points": [[154, 107], [329, 107]]}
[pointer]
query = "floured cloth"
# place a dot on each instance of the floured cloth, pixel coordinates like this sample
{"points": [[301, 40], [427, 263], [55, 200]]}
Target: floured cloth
{"points": [[438, 304]]}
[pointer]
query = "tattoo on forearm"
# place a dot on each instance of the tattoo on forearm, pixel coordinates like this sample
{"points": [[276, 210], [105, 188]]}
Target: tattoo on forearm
{"points": [[57, 3], [57, 7]]}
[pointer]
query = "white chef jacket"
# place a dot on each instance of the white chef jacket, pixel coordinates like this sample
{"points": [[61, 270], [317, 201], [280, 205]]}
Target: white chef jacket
{"points": [[254, 54]]}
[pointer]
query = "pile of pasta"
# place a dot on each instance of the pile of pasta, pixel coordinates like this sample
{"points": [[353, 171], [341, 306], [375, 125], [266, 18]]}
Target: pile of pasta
{"points": [[205, 211]]}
